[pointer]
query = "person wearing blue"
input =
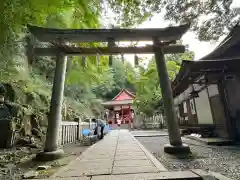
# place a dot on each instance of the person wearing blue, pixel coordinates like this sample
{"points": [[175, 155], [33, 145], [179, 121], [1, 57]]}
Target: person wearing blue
{"points": [[100, 123]]}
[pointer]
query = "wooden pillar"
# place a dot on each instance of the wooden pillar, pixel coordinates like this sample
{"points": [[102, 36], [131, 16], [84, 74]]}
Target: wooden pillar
{"points": [[51, 150], [172, 123], [223, 96], [29, 50], [111, 43], [122, 115], [79, 128]]}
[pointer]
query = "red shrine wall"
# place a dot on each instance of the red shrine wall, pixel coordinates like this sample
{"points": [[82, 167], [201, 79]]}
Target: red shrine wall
{"points": [[125, 115], [125, 112]]}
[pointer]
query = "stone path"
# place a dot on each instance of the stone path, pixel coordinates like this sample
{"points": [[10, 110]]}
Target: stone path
{"points": [[118, 156], [119, 152]]}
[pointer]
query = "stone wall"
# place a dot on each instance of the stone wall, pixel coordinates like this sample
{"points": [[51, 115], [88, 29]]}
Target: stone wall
{"points": [[145, 122]]}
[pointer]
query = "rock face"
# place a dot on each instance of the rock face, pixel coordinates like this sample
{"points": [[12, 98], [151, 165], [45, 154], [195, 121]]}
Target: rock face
{"points": [[28, 141], [43, 167], [37, 133], [30, 175]]}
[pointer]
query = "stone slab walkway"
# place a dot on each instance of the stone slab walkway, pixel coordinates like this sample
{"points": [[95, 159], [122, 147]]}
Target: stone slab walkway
{"points": [[118, 156], [118, 153]]}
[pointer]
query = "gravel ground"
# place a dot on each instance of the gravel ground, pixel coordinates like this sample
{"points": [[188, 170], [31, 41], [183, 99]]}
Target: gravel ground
{"points": [[15, 162], [225, 160]]}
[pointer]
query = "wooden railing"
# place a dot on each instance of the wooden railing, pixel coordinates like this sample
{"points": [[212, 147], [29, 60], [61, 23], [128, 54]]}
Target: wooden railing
{"points": [[69, 132], [72, 131]]}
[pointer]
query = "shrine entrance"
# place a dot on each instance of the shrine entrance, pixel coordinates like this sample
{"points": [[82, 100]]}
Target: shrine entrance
{"points": [[120, 108], [63, 44]]}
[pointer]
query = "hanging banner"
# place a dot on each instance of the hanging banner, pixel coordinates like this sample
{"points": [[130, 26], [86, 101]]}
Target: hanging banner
{"points": [[136, 63], [117, 108], [122, 56], [84, 62], [125, 106], [98, 60], [110, 60], [192, 106]]}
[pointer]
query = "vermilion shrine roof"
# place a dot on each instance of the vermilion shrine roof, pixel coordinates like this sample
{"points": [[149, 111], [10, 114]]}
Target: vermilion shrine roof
{"points": [[124, 97]]}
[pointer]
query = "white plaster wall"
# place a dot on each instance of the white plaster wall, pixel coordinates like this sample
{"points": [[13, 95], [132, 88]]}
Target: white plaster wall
{"points": [[176, 100], [213, 90], [203, 108], [197, 87], [183, 96]]}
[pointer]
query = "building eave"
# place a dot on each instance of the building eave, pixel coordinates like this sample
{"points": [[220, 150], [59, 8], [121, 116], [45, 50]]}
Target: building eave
{"points": [[217, 57], [117, 103]]}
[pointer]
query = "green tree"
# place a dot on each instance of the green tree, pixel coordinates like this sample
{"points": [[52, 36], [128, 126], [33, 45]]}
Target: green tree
{"points": [[85, 86], [148, 92]]}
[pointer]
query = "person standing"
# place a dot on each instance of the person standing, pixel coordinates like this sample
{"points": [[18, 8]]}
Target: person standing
{"points": [[132, 118], [119, 123], [100, 123], [118, 120]]}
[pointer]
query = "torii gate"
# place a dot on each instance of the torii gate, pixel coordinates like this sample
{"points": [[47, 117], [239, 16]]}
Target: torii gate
{"points": [[164, 42]]}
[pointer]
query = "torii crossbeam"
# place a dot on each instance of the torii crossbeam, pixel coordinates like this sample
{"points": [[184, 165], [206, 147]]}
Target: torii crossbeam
{"points": [[164, 42]]}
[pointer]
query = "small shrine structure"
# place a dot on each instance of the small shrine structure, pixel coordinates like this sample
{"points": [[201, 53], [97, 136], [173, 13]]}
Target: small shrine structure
{"points": [[121, 104]]}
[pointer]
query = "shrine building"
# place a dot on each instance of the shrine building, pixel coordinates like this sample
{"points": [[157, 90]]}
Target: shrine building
{"points": [[121, 105]]}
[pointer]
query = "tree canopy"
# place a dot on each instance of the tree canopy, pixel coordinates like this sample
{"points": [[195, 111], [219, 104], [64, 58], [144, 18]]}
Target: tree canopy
{"points": [[148, 92], [209, 18], [88, 82]]}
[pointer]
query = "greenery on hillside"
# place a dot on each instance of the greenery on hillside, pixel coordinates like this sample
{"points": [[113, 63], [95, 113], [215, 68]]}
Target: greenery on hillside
{"points": [[87, 84]]}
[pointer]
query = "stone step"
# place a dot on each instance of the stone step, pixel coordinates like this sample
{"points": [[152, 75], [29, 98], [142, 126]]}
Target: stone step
{"points": [[176, 175], [213, 141], [209, 175]]}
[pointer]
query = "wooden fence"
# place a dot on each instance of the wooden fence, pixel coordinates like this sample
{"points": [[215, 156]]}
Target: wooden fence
{"points": [[69, 132], [72, 131], [145, 122]]}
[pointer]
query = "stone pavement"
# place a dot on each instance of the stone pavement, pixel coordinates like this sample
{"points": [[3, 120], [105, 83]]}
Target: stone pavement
{"points": [[118, 156]]}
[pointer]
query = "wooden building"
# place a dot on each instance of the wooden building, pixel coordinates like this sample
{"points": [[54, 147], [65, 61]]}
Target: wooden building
{"points": [[121, 104], [207, 92]]}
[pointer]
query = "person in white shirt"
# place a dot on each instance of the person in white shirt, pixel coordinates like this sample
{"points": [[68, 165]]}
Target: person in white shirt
{"points": [[118, 120], [119, 123]]}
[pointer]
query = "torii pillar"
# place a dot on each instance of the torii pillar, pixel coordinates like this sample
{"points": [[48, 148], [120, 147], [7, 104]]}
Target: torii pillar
{"points": [[51, 149], [176, 145]]}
